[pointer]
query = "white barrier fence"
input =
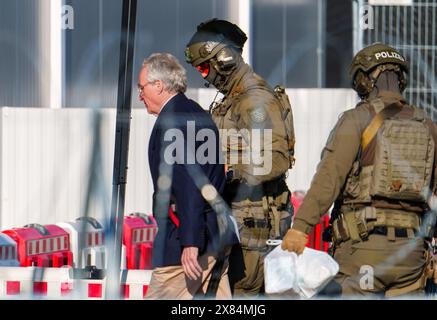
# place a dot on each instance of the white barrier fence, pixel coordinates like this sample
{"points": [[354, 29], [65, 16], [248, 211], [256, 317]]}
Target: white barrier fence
{"points": [[58, 283]]}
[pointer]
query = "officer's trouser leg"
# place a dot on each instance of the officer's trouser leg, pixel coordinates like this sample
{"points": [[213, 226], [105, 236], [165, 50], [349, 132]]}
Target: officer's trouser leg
{"points": [[253, 243], [374, 266], [253, 279]]}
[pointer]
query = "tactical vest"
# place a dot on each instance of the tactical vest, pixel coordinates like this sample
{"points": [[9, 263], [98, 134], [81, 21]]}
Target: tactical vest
{"points": [[286, 115], [403, 161], [220, 112], [265, 214]]}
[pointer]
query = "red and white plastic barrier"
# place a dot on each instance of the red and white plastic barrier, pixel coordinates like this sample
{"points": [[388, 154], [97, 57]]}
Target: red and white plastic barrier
{"points": [[315, 240], [37, 260], [58, 283], [134, 284], [91, 234], [90, 289], [50, 282], [139, 232], [42, 246]]}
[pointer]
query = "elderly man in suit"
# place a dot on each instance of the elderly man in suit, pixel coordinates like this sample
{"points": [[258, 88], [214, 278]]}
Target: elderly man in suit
{"points": [[188, 178]]}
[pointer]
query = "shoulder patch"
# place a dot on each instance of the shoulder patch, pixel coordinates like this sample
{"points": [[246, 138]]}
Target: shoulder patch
{"points": [[258, 115]]}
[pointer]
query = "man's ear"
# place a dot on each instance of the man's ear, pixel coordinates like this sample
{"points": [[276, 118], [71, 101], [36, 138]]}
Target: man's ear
{"points": [[160, 86]]}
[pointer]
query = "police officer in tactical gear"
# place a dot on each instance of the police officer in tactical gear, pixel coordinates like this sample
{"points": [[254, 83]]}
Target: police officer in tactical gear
{"points": [[254, 119], [379, 167]]}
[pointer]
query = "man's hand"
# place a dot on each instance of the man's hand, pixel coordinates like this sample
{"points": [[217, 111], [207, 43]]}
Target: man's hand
{"points": [[294, 241], [190, 264]]}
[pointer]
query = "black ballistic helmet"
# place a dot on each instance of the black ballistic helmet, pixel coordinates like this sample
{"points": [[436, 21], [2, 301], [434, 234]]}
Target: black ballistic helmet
{"points": [[212, 36]]}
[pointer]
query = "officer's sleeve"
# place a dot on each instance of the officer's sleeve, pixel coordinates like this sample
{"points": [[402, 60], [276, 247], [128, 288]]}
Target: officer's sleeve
{"points": [[337, 159], [190, 207], [258, 117]]}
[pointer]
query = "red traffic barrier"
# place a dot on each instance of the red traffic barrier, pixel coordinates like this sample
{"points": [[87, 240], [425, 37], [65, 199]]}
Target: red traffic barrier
{"points": [[42, 246], [315, 240], [51, 282], [139, 231]]}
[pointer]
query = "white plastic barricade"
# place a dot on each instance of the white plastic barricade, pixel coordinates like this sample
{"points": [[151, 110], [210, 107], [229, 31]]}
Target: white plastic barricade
{"points": [[133, 286], [8, 252], [59, 283], [89, 289], [94, 256], [26, 282], [87, 242], [134, 283]]}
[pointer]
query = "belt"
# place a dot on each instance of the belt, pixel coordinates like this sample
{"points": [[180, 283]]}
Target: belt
{"points": [[256, 223], [357, 225], [399, 232]]}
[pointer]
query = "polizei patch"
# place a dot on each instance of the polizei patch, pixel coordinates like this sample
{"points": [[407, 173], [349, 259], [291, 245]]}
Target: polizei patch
{"points": [[389, 54]]}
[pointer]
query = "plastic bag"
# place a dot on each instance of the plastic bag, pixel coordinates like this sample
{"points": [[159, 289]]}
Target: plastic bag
{"points": [[306, 274], [279, 271], [314, 269]]}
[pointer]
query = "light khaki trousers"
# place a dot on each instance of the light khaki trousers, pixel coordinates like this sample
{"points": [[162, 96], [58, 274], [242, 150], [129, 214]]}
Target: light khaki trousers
{"points": [[172, 283]]}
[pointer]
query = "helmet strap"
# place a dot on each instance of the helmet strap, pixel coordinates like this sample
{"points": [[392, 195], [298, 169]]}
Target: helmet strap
{"points": [[222, 68]]}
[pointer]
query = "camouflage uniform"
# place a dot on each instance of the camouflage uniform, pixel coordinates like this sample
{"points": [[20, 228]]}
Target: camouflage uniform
{"points": [[378, 224], [257, 193], [251, 104]]}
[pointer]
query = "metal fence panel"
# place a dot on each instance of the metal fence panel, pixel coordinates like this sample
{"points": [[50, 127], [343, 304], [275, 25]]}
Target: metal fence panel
{"points": [[412, 30]]}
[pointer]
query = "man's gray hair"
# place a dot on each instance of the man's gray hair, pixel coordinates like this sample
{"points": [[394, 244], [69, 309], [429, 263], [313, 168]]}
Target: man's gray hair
{"points": [[166, 67]]}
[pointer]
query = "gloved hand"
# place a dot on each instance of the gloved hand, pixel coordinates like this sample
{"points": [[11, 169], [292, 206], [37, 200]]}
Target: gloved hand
{"points": [[294, 241]]}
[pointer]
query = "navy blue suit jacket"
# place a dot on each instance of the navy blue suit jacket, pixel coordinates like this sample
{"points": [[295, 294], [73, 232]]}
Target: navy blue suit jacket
{"points": [[182, 119]]}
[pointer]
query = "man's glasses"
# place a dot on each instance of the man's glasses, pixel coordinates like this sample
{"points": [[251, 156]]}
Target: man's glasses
{"points": [[141, 88]]}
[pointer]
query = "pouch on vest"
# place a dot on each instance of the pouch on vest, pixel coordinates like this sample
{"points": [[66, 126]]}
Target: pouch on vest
{"points": [[253, 225], [403, 162]]}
